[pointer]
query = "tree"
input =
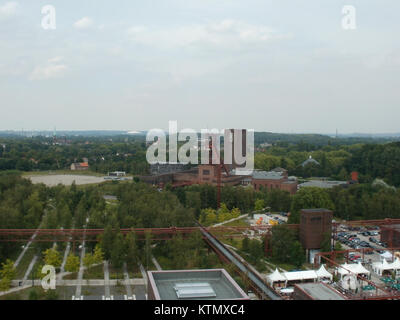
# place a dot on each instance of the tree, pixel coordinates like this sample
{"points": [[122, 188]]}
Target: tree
{"points": [[259, 204], [107, 241], [132, 249], [245, 244], [8, 270], [309, 198], [72, 264], [5, 284], [147, 249], [235, 213], [285, 247], [98, 255], [297, 254], [52, 257], [88, 260], [118, 253], [7, 273]]}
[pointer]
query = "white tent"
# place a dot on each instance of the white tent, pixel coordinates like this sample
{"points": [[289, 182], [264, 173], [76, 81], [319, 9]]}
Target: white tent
{"points": [[380, 267], [301, 275], [322, 273], [386, 256], [353, 268], [276, 276], [396, 264]]}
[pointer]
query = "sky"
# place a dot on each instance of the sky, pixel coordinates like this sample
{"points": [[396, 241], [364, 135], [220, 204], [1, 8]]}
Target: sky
{"points": [[284, 66]]}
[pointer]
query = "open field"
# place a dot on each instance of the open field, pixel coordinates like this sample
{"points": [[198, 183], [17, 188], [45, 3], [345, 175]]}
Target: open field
{"points": [[64, 179]]}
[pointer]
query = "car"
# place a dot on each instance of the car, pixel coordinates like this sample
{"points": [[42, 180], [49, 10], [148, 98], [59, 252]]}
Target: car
{"points": [[380, 251], [372, 239], [364, 244]]}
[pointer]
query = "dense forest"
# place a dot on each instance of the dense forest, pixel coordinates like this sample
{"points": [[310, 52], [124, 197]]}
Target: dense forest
{"points": [[117, 153], [373, 158]]}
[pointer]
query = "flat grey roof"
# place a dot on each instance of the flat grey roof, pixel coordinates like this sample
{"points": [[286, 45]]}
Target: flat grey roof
{"points": [[165, 283], [267, 175], [322, 184], [319, 291]]}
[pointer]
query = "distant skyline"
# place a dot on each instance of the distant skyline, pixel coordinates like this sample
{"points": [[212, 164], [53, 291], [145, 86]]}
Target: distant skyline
{"points": [[258, 64]]}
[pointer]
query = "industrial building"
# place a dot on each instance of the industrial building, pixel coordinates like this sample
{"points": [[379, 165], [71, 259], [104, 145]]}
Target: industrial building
{"points": [[324, 184], [79, 166], [390, 234], [316, 291], [314, 225], [208, 174], [274, 179], [202, 284]]}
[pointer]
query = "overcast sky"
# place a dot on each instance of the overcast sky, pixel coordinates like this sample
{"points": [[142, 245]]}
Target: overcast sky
{"points": [[280, 66]]}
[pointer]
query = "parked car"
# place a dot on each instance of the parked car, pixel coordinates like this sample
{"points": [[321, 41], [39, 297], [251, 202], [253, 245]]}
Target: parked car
{"points": [[364, 244]]}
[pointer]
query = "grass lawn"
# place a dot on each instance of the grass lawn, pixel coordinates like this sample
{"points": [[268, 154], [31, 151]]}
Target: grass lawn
{"points": [[134, 271], [96, 272], [237, 223], [35, 293], [56, 172], [234, 242], [115, 273], [285, 266]]}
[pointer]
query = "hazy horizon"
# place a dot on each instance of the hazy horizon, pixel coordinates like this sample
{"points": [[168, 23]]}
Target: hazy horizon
{"points": [[265, 65]]}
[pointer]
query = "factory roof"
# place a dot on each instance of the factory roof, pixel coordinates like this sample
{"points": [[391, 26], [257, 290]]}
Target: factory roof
{"points": [[322, 184], [195, 285], [268, 175], [319, 291]]}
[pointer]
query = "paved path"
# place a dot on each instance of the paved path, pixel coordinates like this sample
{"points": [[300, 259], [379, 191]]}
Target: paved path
{"points": [[156, 263], [16, 263], [30, 267], [143, 271], [81, 269], [106, 280], [231, 220], [126, 277], [62, 268]]}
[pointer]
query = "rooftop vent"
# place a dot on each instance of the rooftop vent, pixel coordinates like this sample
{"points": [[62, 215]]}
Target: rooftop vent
{"points": [[194, 290]]}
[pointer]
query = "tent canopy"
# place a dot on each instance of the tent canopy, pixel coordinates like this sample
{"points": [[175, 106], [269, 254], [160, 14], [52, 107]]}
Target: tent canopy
{"points": [[301, 275], [322, 273], [276, 276], [387, 255], [356, 268]]}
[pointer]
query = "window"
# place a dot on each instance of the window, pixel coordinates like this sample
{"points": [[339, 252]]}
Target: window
{"points": [[206, 172]]}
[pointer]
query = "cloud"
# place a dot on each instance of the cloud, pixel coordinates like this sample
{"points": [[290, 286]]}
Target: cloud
{"points": [[52, 69], [226, 33], [84, 23], [9, 9]]}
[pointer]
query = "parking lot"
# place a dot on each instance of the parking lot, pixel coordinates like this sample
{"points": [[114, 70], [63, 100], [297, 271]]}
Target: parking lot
{"points": [[361, 239]]}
